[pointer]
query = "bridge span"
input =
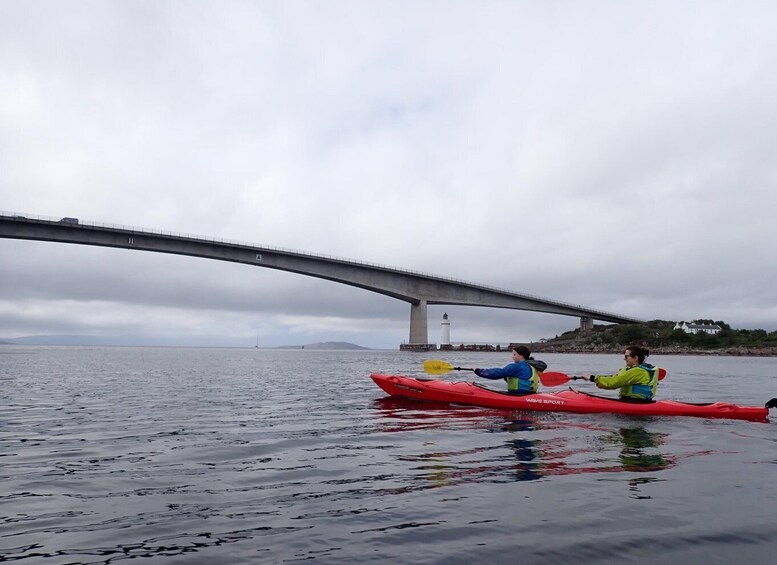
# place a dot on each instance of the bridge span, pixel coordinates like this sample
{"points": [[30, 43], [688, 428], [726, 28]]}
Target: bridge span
{"points": [[418, 289]]}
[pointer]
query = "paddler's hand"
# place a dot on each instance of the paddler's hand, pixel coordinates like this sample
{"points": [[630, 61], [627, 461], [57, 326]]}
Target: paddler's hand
{"points": [[589, 377]]}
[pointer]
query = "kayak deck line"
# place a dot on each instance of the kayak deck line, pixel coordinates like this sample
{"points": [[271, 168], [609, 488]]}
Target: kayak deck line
{"points": [[484, 387], [643, 401], [569, 400]]}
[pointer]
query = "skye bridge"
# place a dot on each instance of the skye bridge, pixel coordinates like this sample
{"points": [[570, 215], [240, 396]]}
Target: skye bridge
{"points": [[418, 289]]}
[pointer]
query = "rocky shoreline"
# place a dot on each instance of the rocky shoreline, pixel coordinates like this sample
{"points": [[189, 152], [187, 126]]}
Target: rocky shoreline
{"points": [[574, 346]]}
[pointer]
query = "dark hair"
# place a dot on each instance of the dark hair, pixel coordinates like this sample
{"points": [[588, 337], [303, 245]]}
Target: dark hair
{"points": [[639, 352], [523, 351]]}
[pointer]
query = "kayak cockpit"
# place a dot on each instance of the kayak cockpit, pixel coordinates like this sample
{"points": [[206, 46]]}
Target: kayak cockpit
{"points": [[502, 392]]}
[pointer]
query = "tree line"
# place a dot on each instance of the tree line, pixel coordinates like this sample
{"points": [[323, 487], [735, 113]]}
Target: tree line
{"points": [[661, 333]]}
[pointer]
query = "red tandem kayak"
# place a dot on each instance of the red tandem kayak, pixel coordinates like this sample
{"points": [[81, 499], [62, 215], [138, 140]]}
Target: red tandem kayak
{"points": [[563, 401]]}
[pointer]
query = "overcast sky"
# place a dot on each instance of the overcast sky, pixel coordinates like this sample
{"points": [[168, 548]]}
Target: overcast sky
{"points": [[616, 155]]}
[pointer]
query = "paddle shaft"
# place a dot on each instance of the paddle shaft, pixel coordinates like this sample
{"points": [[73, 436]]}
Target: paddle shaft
{"points": [[552, 378]]}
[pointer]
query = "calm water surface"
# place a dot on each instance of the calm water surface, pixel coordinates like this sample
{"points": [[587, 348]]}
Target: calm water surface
{"points": [[260, 456]]}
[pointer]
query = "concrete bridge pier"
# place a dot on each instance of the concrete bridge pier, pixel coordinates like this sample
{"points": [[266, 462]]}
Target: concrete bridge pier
{"points": [[419, 328], [586, 324]]}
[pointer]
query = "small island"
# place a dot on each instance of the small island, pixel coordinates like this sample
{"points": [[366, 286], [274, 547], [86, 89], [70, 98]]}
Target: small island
{"points": [[325, 345]]}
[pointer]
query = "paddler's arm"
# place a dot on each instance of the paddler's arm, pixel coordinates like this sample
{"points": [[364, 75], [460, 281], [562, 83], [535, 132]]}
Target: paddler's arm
{"points": [[486, 373], [511, 370], [634, 375]]}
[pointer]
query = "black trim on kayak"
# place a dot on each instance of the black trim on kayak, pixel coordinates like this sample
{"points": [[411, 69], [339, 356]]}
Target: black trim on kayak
{"points": [[623, 400], [638, 401]]}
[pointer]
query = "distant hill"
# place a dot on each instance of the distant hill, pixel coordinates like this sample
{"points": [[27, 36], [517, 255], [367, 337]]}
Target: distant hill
{"points": [[60, 340], [325, 345], [112, 341], [204, 341]]}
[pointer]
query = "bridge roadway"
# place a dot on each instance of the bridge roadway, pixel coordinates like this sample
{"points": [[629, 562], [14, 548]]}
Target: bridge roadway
{"points": [[418, 289]]}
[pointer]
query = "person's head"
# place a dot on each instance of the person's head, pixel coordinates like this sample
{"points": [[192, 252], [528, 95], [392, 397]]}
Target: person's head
{"points": [[521, 353], [635, 355]]}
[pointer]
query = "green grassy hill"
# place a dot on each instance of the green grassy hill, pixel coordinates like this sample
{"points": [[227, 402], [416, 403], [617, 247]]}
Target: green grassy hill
{"points": [[661, 337]]}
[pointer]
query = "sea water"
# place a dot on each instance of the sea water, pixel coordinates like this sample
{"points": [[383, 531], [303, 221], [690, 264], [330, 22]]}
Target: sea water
{"points": [[190, 455]]}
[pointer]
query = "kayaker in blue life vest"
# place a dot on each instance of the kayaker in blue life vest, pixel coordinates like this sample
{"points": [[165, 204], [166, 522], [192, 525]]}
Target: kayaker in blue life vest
{"points": [[522, 375], [637, 381]]}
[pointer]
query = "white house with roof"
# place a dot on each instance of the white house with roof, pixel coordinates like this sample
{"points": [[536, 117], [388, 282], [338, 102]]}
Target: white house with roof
{"points": [[696, 328]]}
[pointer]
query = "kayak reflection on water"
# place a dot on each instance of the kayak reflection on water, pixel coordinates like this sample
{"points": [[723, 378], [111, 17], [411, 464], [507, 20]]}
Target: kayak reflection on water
{"points": [[538, 459], [633, 455], [535, 449], [636, 459]]}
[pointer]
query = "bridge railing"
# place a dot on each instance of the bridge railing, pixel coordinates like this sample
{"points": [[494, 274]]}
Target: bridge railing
{"points": [[89, 223]]}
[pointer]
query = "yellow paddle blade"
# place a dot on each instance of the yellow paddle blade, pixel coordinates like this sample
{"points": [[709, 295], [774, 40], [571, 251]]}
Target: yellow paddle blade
{"points": [[437, 367]]}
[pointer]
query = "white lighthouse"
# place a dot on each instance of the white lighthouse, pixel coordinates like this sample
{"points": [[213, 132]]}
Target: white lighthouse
{"points": [[445, 330]]}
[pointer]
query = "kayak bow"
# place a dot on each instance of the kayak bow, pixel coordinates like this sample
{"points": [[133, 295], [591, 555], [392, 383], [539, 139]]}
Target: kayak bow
{"points": [[563, 401]]}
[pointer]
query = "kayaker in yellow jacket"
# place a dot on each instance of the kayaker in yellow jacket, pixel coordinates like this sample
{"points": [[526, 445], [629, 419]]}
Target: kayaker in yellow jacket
{"points": [[637, 381]]}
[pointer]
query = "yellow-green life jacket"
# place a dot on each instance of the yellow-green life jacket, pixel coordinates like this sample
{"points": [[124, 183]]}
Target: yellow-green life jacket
{"points": [[643, 391], [514, 384]]}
